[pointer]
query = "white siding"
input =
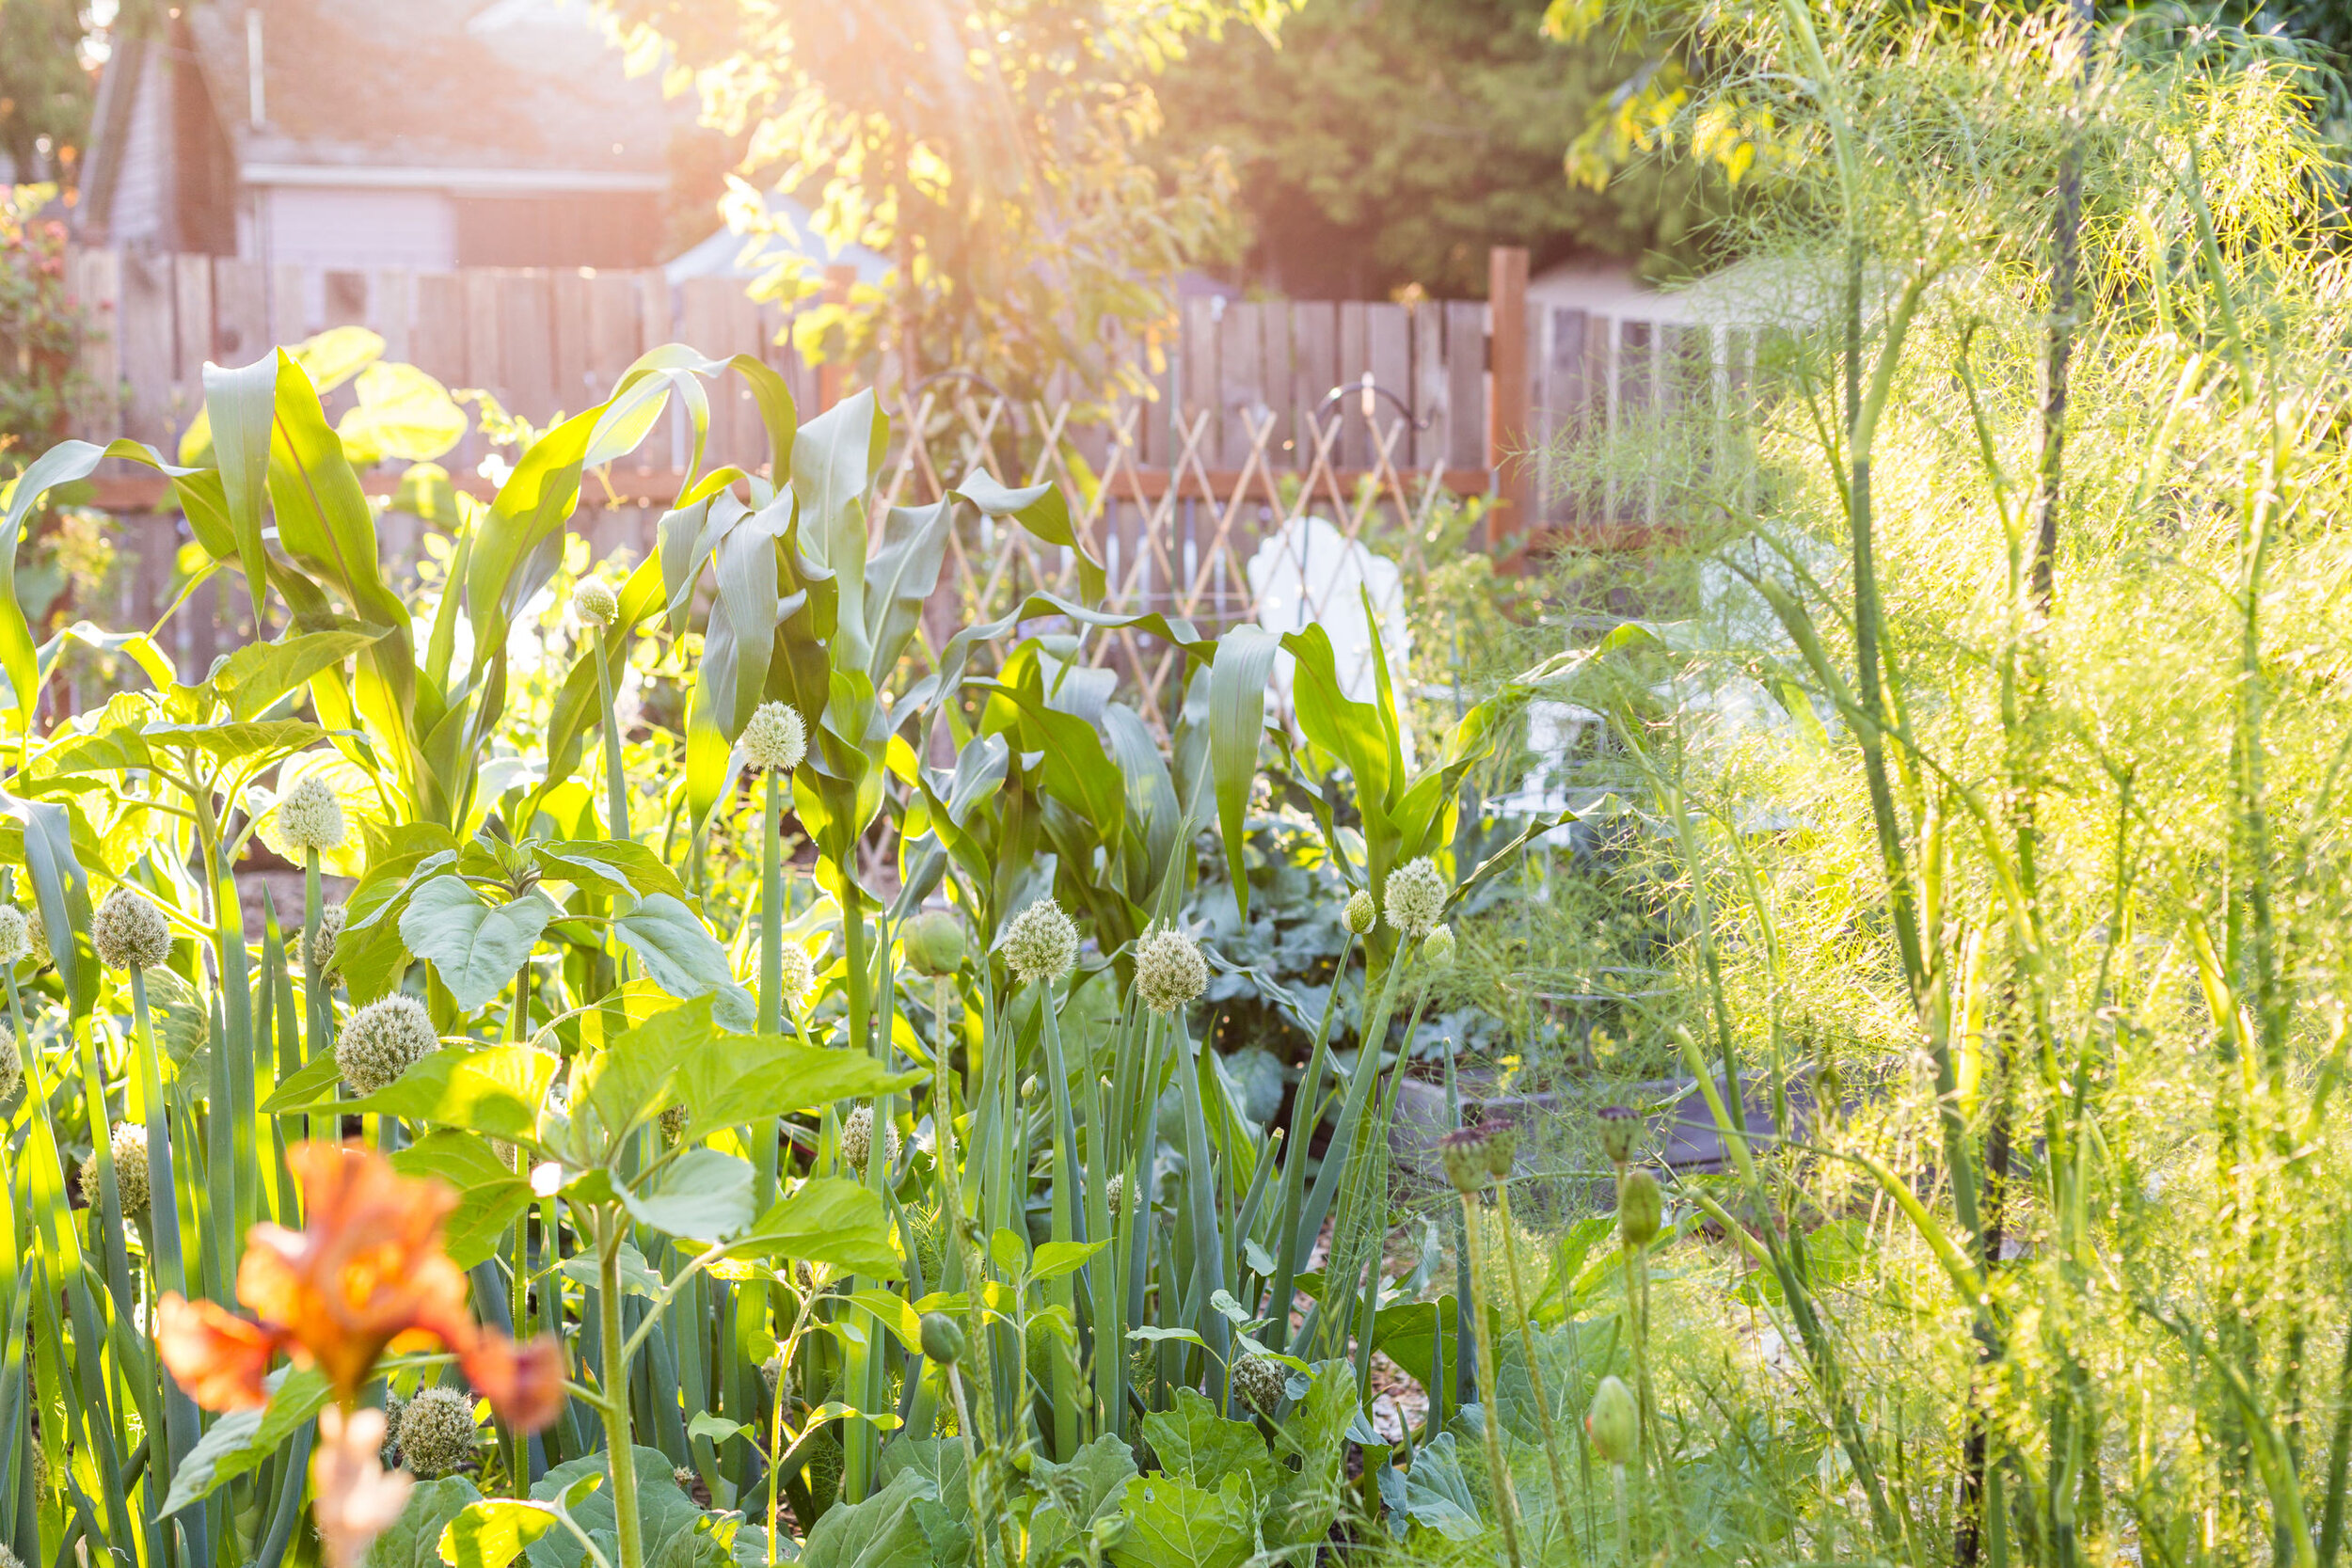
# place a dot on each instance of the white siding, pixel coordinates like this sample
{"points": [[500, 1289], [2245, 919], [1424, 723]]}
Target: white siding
{"points": [[140, 188], [337, 227]]}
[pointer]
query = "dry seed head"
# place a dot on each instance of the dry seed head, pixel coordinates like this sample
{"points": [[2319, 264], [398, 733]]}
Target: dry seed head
{"points": [[1361, 912], [597, 605], [775, 738], [331, 920], [1041, 944], [129, 931], [1170, 970], [311, 817], [437, 1433], [128, 1145], [384, 1039], [16, 935], [1260, 1381], [857, 1139], [1415, 897]]}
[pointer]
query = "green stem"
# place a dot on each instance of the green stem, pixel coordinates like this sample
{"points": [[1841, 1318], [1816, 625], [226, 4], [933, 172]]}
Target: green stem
{"points": [[615, 788], [1306, 1110], [1535, 1362], [1491, 1411], [762, 1135], [620, 1449]]}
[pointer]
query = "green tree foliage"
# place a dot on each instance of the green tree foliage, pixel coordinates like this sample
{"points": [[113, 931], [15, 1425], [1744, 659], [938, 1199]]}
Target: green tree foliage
{"points": [[994, 151], [1389, 142], [44, 88]]}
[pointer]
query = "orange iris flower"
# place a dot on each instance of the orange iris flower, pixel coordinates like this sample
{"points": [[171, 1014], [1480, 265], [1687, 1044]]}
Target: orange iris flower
{"points": [[366, 1274]]}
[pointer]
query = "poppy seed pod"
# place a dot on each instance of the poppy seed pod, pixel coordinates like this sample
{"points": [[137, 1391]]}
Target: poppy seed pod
{"points": [[16, 935], [1503, 1148], [1619, 1127], [1415, 897], [775, 738], [1640, 1208], [1041, 944], [1614, 1422], [129, 931], [597, 605], [1169, 970], [934, 942], [1464, 1155], [942, 1337], [1262, 1382], [437, 1433], [1361, 912], [310, 817]]}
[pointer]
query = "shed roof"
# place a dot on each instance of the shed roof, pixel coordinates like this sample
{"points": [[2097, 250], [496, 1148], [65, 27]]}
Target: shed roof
{"points": [[488, 85]]}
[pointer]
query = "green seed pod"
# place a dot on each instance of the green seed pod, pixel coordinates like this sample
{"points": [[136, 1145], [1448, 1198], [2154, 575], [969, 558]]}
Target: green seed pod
{"points": [[934, 942], [1614, 1421], [1640, 1208], [943, 1338], [1361, 912], [1464, 1155], [1619, 1127], [1436, 948], [1503, 1148]]}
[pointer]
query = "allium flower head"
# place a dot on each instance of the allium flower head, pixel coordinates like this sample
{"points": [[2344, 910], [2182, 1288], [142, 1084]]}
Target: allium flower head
{"points": [[673, 1120], [16, 935], [130, 932], [367, 1268], [598, 605], [1041, 944], [1170, 970], [11, 1070], [353, 1498], [1436, 948], [437, 1434], [1415, 897], [775, 738], [384, 1039], [311, 817], [1360, 912], [1114, 1194], [331, 921], [38, 935], [127, 1143], [1260, 1381], [797, 971], [857, 1139]]}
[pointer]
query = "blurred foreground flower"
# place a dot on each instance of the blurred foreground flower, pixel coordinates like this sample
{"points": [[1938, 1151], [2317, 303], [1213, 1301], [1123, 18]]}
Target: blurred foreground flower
{"points": [[365, 1274], [356, 1498]]}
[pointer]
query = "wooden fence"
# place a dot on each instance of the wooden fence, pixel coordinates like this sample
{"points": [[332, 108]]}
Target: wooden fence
{"points": [[1372, 416]]}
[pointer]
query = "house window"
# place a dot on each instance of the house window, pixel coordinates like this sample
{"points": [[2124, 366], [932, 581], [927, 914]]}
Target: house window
{"points": [[599, 228]]}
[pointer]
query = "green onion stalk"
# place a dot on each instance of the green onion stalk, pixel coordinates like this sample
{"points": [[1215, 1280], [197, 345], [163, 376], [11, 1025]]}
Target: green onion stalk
{"points": [[1465, 1155]]}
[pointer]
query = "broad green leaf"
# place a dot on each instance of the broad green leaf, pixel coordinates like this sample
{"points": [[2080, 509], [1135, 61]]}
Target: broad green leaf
{"points": [[249, 742], [258, 673], [1045, 513], [750, 1075], [606, 868], [828, 1220], [1174, 1524], [414, 1540], [1193, 1441], [680, 953], [240, 408], [718, 1429], [495, 1531], [243, 1440], [1434, 1492], [637, 1277], [476, 950], [1056, 1259], [1094, 1484], [402, 413], [1237, 691], [495, 1092], [663, 1511], [490, 1196], [702, 1194], [881, 1532], [1316, 1432], [307, 1085]]}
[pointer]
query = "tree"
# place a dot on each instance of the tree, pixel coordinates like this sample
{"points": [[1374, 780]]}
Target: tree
{"points": [[1388, 143], [44, 85], [992, 150]]}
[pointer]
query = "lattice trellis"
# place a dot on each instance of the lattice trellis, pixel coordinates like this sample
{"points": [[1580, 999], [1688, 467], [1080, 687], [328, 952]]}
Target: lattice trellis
{"points": [[1176, 539]]}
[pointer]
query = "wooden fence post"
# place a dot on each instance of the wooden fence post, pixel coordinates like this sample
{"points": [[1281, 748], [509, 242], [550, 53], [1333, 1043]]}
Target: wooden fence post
{"points": [[1506, 397]]}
